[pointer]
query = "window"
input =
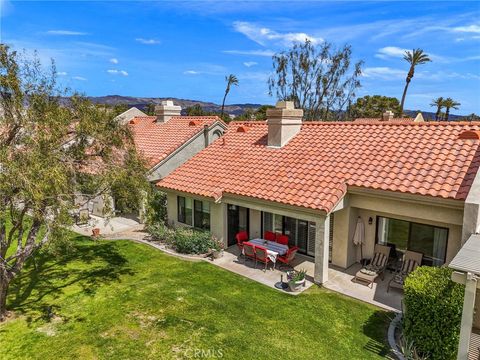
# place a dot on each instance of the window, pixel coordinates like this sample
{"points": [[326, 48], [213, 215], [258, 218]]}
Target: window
{"points": [[184, 210], [202, 214], [198, 215], [430, 240]]}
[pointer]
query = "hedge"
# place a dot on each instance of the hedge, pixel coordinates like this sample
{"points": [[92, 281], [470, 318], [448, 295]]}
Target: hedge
{"points": [[433, 311]]}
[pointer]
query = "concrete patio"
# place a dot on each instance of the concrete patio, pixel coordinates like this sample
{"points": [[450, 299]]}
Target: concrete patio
{"points": [[108, 226], [339, 280]]}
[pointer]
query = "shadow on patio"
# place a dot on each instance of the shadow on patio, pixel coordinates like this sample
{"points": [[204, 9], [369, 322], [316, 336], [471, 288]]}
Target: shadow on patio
{"points": [[339, 280]]}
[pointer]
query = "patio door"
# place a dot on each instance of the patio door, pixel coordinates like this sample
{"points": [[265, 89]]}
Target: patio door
{"points": [[238, 220]]}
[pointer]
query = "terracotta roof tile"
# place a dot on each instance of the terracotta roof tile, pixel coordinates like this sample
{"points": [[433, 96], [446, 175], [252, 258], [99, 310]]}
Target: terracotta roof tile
{"points": [[158, 140], [314, 168]]}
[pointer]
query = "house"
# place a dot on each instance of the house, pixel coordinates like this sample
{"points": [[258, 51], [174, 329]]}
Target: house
{"points": [[409, 182], [165, 140]]}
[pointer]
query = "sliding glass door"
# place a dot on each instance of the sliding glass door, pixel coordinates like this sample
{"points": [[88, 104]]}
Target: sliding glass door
{"points": [[238, 220], [429, 240], [300, 233]]}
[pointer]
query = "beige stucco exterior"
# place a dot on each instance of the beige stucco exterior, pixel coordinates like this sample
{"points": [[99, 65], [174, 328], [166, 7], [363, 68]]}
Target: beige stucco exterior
{"points": [[357, 203]]}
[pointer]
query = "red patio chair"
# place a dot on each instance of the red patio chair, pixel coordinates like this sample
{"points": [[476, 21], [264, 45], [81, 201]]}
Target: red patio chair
{"points": [[248, 251], [282, 239], [268, 235], [241, 237], [289, 256], [261, 255]]}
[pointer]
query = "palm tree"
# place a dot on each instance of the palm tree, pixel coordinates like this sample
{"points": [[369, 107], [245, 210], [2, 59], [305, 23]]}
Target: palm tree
{"points": [[414, 58], [438, 102], [231, 80], [450, 104]]}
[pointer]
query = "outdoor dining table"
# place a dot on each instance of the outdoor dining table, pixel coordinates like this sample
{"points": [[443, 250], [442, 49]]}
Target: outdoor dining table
{"points": [[273, 248]]}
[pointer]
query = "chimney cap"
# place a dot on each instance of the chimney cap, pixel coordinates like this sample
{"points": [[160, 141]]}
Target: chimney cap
{"points": [[283, 104], [167, 103]]}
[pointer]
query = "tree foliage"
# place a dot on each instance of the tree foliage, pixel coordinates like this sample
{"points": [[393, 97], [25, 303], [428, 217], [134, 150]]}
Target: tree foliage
{"points": [[320, 79], [373, 106], [48, 152]]}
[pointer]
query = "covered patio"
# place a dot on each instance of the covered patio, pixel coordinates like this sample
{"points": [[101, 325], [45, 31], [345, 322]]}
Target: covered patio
{"points": [[339, 280]]}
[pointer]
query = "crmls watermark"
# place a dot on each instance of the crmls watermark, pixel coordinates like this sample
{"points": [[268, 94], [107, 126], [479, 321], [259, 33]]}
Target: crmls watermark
{"points": [[204, 353]]}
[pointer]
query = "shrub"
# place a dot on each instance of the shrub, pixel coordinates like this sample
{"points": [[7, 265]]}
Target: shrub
{"points": [[433, 311], [159, 231], [190, 241], [156, 211]]}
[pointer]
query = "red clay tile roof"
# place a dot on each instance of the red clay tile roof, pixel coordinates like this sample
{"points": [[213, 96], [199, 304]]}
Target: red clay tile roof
{"points": [[158, 140], [315, 168]]}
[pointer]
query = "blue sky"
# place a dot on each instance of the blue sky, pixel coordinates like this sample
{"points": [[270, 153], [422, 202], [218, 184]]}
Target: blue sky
{"points": [[185, 49]]}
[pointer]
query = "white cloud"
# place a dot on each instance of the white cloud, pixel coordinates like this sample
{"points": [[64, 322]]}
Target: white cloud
{"points": [[250, 63], [263, 35], [117, 72], [66, 32], [267, 53], [467, 29], [390, 51], [147, 41], [384, 73], [79, 78], [191, 72], [61, 73], [114, 60]]}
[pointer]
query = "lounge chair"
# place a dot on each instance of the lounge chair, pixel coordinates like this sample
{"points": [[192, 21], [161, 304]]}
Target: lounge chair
{"points": [[411, 260], [369, 273]]}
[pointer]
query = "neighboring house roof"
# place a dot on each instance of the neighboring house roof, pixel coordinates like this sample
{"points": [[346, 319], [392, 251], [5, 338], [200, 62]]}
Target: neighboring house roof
{"points": [[128, 115], [157, 140], [314, 169]]}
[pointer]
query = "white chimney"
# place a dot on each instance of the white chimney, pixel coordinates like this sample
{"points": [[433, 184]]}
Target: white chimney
{"points": [[387, 115], [284, 122], [166, 110]]}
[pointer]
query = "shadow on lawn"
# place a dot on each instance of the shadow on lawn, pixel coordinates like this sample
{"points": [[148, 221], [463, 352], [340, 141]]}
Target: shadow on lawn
{"points": [[85, 265], [376, 328]]}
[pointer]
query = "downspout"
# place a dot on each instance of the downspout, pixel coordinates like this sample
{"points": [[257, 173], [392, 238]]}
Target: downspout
{"points": [[467, 316]]}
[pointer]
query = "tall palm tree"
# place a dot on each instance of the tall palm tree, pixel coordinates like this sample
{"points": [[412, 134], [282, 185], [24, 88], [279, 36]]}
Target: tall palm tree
{"points": [[438, 102], [414, 58], [450, 104], [231, 80]]}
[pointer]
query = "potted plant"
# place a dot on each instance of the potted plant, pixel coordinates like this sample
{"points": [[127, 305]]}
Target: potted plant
{"points": [[217, 249], [296, 279]]}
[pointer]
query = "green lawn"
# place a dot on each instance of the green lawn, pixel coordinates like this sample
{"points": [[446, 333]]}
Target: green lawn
{"points": [[123, 300]]}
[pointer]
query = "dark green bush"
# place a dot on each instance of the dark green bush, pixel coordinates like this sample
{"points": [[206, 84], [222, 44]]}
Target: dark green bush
{"points": [[190, 241], [159, 231], [433, 311], [156, 210]]}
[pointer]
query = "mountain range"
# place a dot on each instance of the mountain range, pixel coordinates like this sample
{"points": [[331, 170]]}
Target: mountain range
{"points": [[234, 109]]}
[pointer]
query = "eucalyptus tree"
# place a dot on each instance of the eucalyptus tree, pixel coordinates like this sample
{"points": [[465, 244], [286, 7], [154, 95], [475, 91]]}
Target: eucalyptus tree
{"points": [[414, 58], [320, 79], [47, 149]]}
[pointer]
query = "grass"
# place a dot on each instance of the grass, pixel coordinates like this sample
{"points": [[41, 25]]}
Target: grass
{"points": [[123, 300]]}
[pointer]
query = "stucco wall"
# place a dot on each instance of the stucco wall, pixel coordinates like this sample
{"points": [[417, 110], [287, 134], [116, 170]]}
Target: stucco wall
{"points": [[344, 253], [187, 151]]}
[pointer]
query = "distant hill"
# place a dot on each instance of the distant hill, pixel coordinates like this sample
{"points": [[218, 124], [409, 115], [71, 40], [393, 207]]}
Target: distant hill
{"points": [[235, 109], [142, 102]]}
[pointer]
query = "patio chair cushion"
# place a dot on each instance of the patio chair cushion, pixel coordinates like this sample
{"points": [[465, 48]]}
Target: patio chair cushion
{"points": [[369, 271], [378, 260], [268, 235], [408, 266]]}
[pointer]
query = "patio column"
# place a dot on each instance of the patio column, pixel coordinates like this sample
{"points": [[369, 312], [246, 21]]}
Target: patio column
{"points": [[322, 234], [467, 316]]}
